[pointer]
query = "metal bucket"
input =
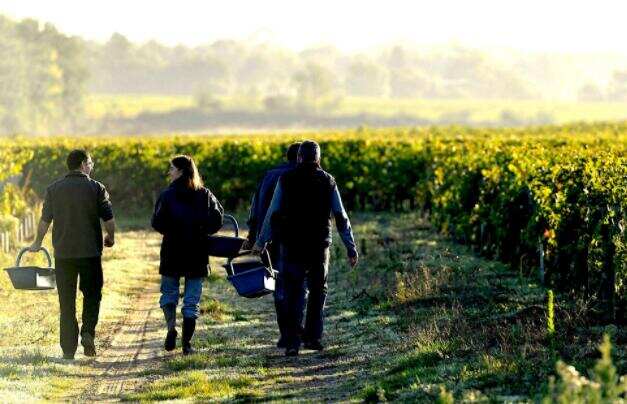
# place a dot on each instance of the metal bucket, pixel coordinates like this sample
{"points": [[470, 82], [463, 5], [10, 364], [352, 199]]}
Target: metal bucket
{"points": [[225, 246], [32, 277]]}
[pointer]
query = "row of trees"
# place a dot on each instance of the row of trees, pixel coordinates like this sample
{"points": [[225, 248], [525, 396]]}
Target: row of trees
{"points": [[42, 78], [230, 67], [616, 90], [45, 74]]}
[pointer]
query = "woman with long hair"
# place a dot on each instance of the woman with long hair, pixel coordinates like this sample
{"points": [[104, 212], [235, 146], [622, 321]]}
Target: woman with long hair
{"points": [[185, 213]]}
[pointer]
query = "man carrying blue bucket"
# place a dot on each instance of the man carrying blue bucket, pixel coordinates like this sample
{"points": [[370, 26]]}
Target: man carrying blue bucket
{"points": [[299, 218], [76, 204]]}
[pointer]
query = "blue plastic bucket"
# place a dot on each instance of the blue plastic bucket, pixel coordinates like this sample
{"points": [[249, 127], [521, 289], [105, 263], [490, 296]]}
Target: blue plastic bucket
{"points": [[253, 283]]}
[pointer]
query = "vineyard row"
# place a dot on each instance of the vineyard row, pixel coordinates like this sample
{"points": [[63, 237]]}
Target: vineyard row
{"points": [[555, 196]]}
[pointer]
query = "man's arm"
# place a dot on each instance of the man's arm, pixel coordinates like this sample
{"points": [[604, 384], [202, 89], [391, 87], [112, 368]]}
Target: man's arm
{"points": [[109, 239], [266, 230], [252, 221], [42, 229], [255, 220], [44, 222], [105, 211], [343, 225]]}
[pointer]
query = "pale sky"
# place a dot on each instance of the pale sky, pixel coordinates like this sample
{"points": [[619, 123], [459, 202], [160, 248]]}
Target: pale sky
{"points": [[531, 25]]}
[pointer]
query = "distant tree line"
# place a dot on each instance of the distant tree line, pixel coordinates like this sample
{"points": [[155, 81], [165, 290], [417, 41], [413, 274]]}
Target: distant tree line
{"points": [[616, 90], [282, 78], [43, 77], [230, 67]]}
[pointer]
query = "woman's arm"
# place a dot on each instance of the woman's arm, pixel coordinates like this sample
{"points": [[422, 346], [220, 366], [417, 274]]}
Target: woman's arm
{"points": [[160, 220], [215, 214]]}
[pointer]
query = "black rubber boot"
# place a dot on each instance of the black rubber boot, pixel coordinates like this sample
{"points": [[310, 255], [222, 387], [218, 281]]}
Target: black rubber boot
{"points": [[189, 326], [169, 311]]}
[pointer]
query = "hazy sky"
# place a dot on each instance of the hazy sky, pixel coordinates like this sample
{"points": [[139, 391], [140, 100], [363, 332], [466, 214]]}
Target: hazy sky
{"points": [[546, 25]]}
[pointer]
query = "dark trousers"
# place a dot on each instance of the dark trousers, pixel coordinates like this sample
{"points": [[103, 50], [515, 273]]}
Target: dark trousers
{"points": [[87, 272], [300, 273]]}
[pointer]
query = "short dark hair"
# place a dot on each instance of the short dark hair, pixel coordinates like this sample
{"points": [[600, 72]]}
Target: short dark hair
{"points": [[309, 151], [76, 158], [292, 152]]}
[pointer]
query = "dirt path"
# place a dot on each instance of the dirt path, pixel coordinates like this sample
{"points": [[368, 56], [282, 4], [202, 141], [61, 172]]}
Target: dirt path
{"points": [[135, 348], [243, 343], [131, 346], [235, 341]]}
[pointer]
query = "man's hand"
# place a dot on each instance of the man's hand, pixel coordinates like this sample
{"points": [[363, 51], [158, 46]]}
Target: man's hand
{"points": [[42, 229], [36, 246], [248, 245], [109, 241], [352, 261], [257, 249]]}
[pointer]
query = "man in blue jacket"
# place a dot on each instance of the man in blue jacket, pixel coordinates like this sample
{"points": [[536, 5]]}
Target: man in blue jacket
{"points": [[258, 208], [265, 190], [299, 218]]}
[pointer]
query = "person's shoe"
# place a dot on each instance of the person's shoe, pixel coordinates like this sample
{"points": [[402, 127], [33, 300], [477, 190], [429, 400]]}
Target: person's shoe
{"points": [[313, 345], [291, 352], [69, 357], [170, 340], [87, 341], [189, 326]]}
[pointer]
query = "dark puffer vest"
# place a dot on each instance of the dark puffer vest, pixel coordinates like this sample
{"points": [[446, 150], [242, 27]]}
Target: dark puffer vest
{"points": [[305, 211]]}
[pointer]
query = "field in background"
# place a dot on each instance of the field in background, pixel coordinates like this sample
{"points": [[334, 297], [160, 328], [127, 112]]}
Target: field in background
{"points": [[473, 112], [486, 111], [97, 106]]}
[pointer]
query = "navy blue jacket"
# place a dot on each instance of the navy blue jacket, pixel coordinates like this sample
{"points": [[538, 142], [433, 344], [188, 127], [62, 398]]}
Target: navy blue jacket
{"points": [[186, 217], [263, 197]]}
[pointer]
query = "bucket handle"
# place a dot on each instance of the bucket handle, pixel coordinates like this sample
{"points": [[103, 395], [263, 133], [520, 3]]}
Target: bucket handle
{"points": [[234, 223], [23, 250], [270, 270]]}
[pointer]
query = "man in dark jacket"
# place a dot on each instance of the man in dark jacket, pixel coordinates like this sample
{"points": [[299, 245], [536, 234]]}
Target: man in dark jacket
{"points": [[265, 189], [258, 208], [77, 204], [299, 218]]}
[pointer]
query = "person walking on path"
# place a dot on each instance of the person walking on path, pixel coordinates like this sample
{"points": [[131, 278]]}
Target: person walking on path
{"points": [[258, 209], [77, 204], [299, 218], [185, 214]]}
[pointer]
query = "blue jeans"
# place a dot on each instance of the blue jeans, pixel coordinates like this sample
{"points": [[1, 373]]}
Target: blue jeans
{"points": [[191, 296]]}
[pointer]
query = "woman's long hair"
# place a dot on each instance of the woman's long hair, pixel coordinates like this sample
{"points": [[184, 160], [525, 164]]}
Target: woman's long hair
{"points": [[189, 171]]}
